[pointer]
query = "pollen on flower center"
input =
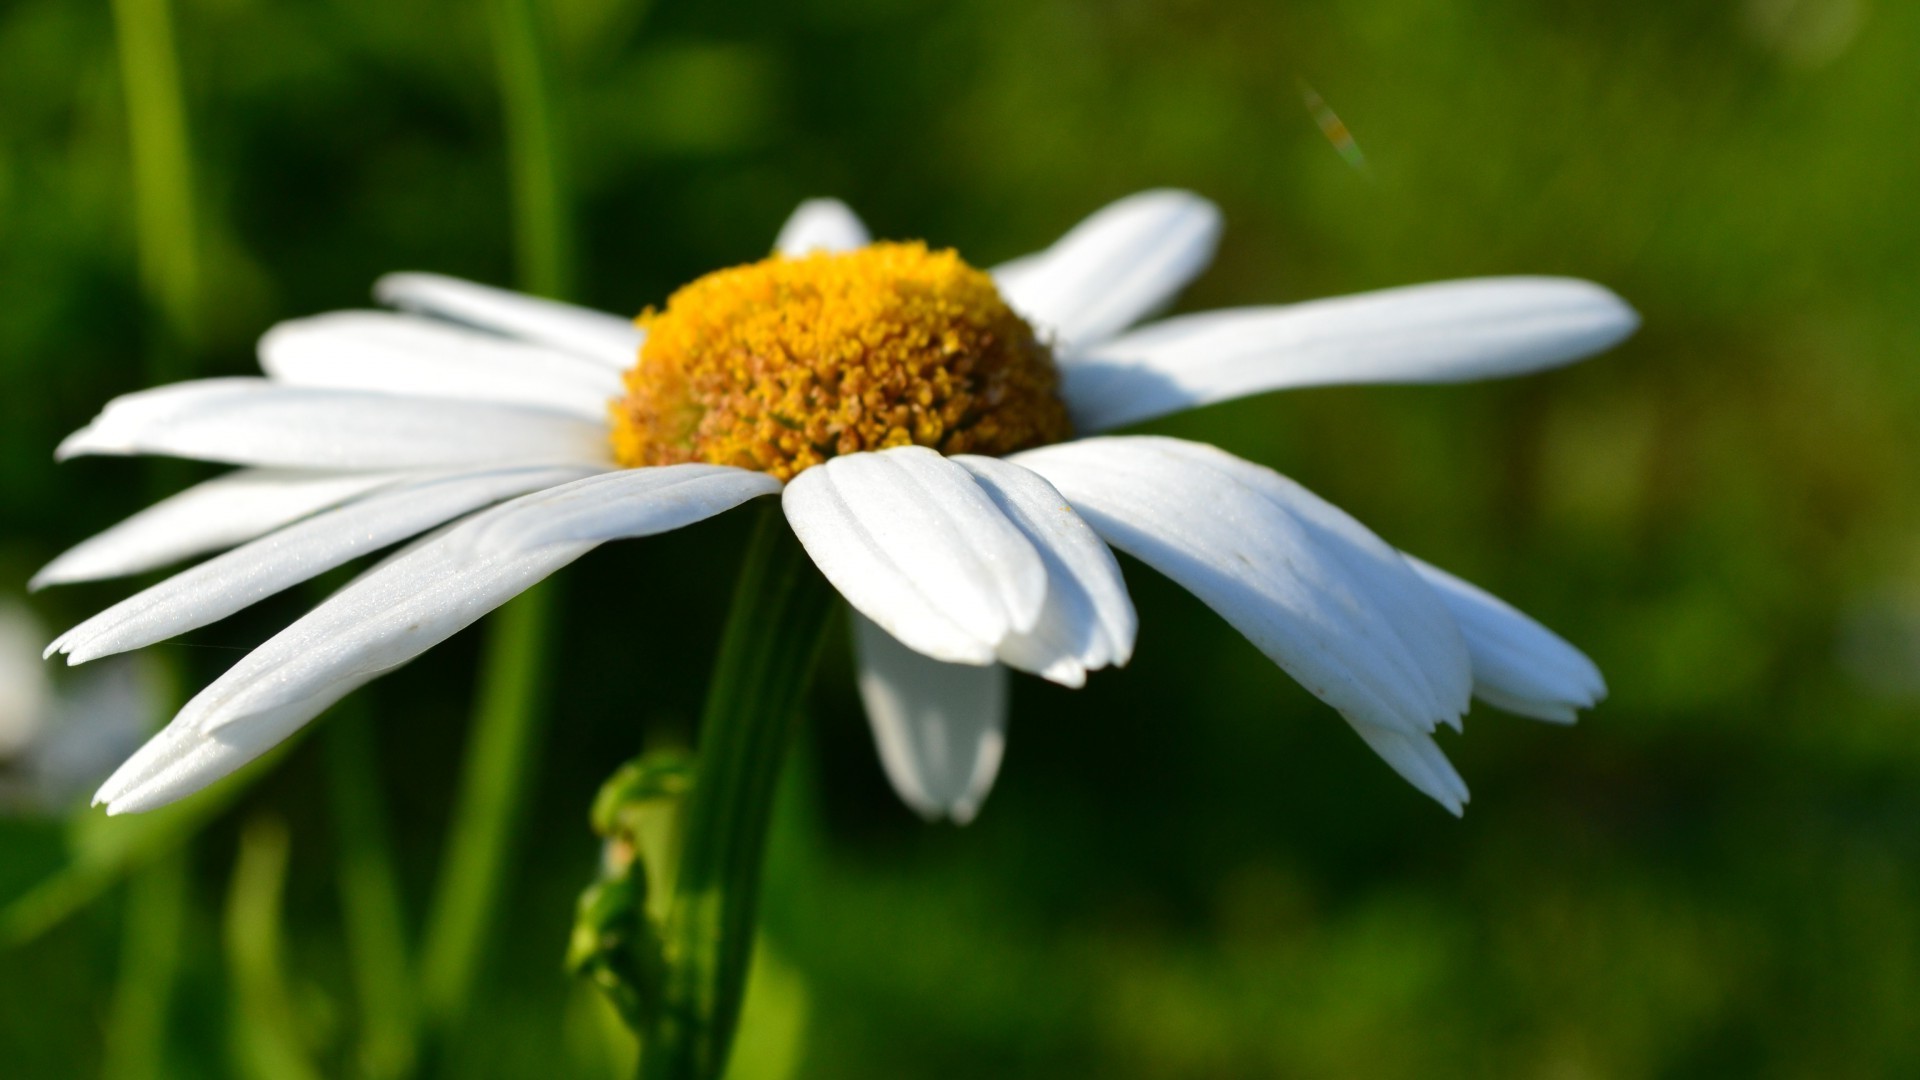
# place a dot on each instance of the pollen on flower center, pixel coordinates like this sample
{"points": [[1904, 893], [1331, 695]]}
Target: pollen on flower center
{"points": [[781, 364]]}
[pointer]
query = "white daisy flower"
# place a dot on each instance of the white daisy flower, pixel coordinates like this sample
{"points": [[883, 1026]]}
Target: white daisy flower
{"points": [[933, 433]]}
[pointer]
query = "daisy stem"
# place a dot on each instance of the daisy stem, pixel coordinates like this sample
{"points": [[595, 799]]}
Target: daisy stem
{"points": [[499, 761], [773, 636]]}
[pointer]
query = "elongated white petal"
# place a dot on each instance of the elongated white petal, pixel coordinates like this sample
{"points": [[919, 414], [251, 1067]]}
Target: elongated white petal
{"points": [[219, 513], [609, 339], [914, 544], [258, 422], [407, 354], [1420, 762], [1518, 664], [617, 505], [1329, 602], [252, 572], [1128, 260], [387, 617], [822, 225], [940, 728], [1452, 331], [1088, 619]]}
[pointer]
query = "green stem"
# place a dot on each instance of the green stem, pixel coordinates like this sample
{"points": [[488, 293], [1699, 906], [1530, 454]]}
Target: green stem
{"points": [[499, 762], [543, 233], [773, 636], [267, 1043], [162, 172], [370, 897], [156, 917], [493, 787], [166, 243]]}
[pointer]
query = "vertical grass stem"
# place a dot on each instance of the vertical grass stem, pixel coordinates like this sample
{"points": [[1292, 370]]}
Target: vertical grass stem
{"points": [[500, 758]]}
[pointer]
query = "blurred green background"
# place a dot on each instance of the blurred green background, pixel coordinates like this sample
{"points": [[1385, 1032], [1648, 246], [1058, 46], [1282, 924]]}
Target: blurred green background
{"points": [[1190, 868]]}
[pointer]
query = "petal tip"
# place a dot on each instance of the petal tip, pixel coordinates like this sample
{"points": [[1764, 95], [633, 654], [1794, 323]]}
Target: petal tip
{"points": [[390, 288], [1621, 320], [84, 654], [78, 444]]}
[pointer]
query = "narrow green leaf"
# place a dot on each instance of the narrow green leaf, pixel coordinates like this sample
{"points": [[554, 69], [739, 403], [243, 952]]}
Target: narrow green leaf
{"points": [[370, 898], [164, 217], [500, 761], [493, 788], [136, 1040], [266, 1036]]}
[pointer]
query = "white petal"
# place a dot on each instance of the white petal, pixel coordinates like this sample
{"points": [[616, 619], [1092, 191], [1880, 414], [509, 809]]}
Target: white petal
{"points": [[219, 513], [248, 574], [940, 728], [914, 544], [1329, 602], [385, 618], [1128, 260], [406, 354], [1420, 761], [257, 422], [1452, 331], [822, 225], [1518, 664], [1088, 620], [627, 503], [596, 335]]}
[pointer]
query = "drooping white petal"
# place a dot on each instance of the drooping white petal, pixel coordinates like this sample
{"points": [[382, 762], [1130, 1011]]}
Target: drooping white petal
{"points": [[219, 513], [1451, 331], [407, 354], [1327, 600], [1518, 664], [633, 502], [1420, 762], [914, 544], [1088, 619], [1126, 261], [940, 728], [392, 614], [258, 422], [822, 225], [610, 339], [252, 572]]}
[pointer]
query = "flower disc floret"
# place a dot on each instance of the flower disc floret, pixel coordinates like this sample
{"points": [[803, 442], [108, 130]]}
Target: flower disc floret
{"points": [[781, 364]]}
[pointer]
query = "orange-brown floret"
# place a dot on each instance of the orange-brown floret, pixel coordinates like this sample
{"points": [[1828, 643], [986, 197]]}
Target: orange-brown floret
{"points": [[781, 364]]}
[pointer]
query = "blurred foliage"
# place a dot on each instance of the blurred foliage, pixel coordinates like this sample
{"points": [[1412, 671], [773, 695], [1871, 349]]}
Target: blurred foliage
{"points": [[1188, 869]]}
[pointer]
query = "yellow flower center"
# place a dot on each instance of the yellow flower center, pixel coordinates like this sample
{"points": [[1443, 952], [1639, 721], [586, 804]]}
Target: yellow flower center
{"points": [[781, 364]]}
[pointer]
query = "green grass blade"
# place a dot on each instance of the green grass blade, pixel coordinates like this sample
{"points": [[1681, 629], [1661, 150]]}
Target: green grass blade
{"points": [[370, 899], [499, 763], [136, 1040]]}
